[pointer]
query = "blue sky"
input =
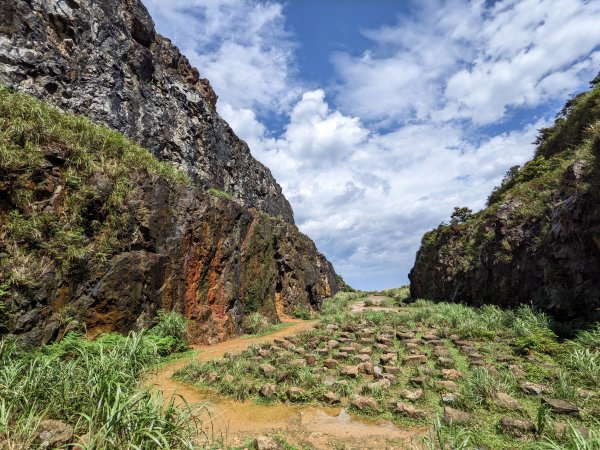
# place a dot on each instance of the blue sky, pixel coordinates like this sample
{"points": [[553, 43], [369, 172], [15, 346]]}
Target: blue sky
{"points": [[378, 117]]}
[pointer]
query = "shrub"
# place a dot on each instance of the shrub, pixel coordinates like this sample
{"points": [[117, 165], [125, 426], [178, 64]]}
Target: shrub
{"points": [[301, 313], [170, 334], [256, 323]]}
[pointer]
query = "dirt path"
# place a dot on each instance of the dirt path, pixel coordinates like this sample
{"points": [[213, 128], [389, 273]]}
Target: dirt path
{"points": [[316, 426]]}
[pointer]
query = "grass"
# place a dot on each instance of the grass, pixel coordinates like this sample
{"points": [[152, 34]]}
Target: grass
{"points": [[94, 387], [221, 194]]}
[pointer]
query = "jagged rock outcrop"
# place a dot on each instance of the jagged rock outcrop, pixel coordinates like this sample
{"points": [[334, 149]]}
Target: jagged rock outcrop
{"points": [[538, 241], [94, 232], [103, 59]]}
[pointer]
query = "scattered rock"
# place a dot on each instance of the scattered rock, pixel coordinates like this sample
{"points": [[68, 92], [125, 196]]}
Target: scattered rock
{"points": [[516, 370], [295, 394], [349, 371], [330, 363], [561, 406], [517, 427], [409, 410], [331, 398], [311, 360], [448, 398], [54, 433], [533, 388], [266, 443], [211, 377], [363, 402], [445, 362], [415, 359], [228, 378], [388, 357], [367, 368], [298, 363], [412, 395], [377, 372], [451, 374], [268, 390], [332, 343], [362, 358], [391, 369], [562, 430], [267, 369], [452, 415], [505, 401], [417, 381]]}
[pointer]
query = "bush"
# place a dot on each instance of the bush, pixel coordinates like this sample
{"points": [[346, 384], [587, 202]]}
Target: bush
{"points": [[170, 334], [256, 323], [302, 313]]}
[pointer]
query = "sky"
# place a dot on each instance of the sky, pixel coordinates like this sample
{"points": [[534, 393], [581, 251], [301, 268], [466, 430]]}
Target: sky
{"points": [[378, 117]]}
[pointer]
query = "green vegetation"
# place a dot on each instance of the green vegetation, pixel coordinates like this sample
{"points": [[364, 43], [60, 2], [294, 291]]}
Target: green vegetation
{"points": [[66, 183], [94, 387], [221, 194]]}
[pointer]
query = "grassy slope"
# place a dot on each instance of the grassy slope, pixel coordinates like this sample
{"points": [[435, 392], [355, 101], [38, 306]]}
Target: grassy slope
{"points": [[85, 223]]}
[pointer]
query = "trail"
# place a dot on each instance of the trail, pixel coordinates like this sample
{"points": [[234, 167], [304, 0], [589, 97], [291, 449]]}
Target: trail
{"points": [[233, 422], [360, 306]]}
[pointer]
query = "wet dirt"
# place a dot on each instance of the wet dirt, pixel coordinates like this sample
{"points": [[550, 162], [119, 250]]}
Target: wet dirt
{"points": [[317, 427]]}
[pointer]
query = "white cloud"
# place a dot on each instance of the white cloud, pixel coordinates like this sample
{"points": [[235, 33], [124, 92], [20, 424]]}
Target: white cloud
{"points": [[386, 155], [241, 46]]}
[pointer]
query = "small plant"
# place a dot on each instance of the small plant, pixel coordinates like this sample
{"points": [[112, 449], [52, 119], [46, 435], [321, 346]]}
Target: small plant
{"points": [[302, 313], [585, 364], [221, 194], [256, 323]]}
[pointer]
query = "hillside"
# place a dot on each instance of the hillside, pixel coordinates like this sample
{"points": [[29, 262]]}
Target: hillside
{"points": [[538, 240], [104, 60], [96, 232]]}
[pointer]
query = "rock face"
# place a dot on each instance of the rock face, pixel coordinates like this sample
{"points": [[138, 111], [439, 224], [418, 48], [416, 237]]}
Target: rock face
{"points": [[538, 241], [215, 258], [104, 60]]}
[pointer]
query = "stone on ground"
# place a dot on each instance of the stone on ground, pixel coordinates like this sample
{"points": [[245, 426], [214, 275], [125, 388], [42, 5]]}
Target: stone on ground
{"points": [[268, 390], [412, 395], [517, 427], [349, 371], [54, 433], [561, 406], [331, 398], [409, 410], [533, 388], [266, 443], [452, 415], [364, 403], [451, 374], [295, 394], [267, 369], [505, 401]]}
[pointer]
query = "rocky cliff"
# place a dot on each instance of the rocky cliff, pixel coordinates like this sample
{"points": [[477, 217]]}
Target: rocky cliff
{"points": [[103, 59], [538, 240], [98, 232]]}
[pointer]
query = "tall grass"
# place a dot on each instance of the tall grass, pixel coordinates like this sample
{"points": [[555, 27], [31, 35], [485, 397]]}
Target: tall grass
{"points": [[94, 387]]}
